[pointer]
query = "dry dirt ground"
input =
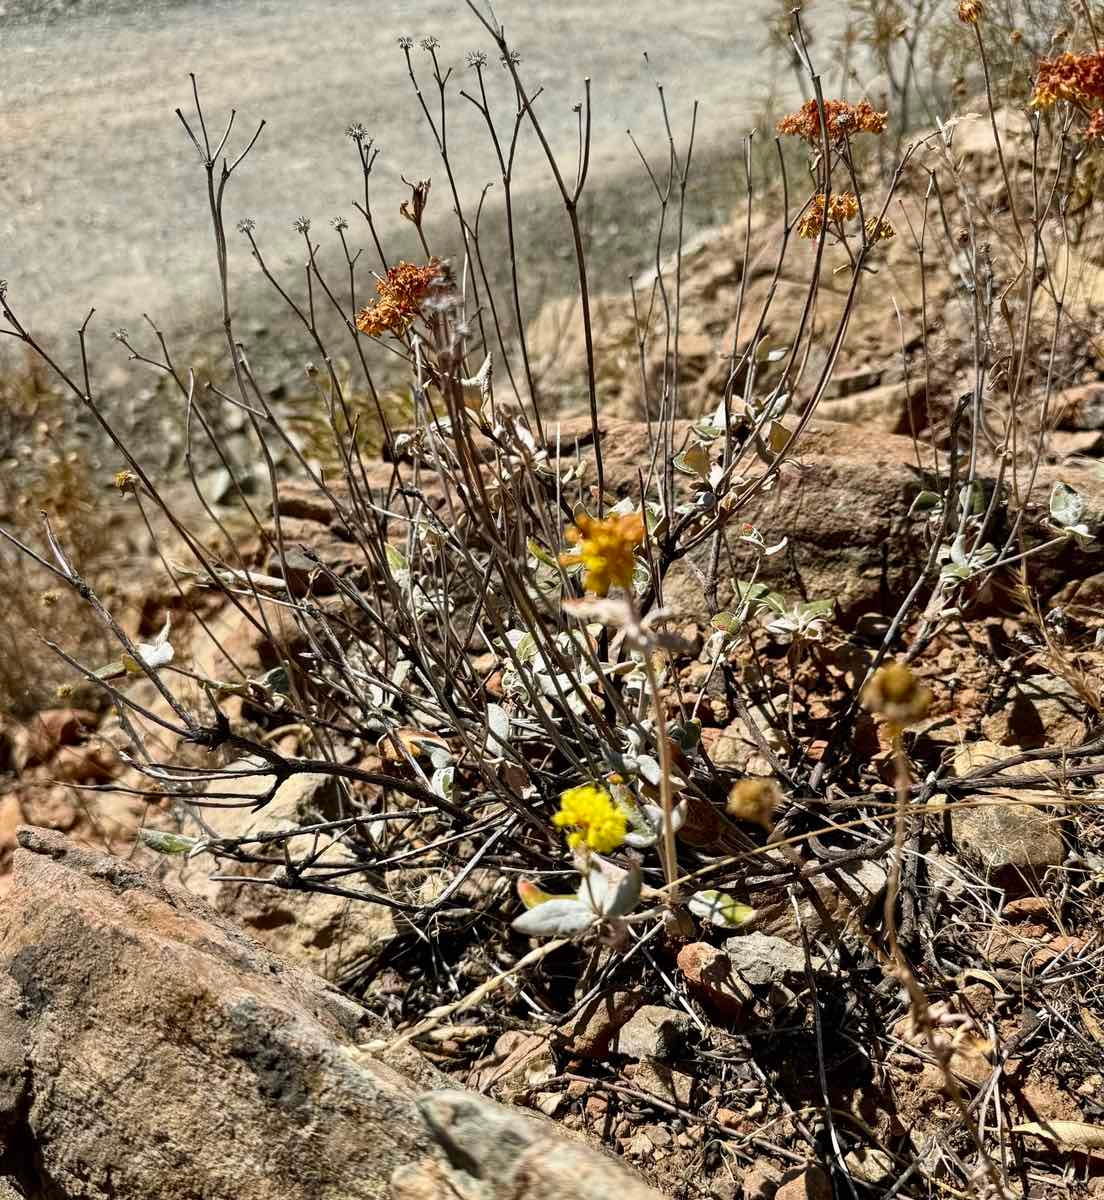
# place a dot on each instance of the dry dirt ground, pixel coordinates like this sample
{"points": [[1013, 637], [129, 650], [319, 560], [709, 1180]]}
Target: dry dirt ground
{"points": [[103, 197]]}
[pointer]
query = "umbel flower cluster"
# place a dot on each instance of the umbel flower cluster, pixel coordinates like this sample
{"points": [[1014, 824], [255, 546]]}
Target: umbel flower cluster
{"points": [[402, 292], [842, 206], [1076, 79], [842, 118]]}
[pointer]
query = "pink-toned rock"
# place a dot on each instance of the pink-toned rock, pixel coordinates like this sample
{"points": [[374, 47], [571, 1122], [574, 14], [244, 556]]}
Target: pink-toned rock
{"points": [[709, 973], [49, 730], [811, 1184], [151, 1049]]}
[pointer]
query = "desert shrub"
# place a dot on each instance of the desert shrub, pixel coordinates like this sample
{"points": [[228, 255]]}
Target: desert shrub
{"points": [[497, 635]]}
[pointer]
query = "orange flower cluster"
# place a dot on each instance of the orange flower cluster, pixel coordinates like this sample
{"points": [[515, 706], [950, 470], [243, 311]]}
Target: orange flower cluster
{"points": [[401, 295], [841, 117], [1077, 78], [879, 231], [1094, 131], [842, 206]]}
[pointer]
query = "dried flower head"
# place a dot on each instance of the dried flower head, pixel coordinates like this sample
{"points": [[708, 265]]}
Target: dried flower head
{"points": [[606, 549], [401, 296], [356, 131], [970, 11], [49, 598], [339, 223], [812, 222], [1094, 130], [897, 695], [754, 799], [1077, 78], [879, 230], [593, 818], [414, 208], [406, 42], [477, 59], [301, 225], [246, 225], [429, 44], [841, 117], [125, 481], [841, 206]]}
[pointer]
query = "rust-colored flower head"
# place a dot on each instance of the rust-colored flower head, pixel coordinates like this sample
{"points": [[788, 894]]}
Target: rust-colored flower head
{"points": [[414, 208], [895, 694], [402, 293], [1076, 78], [754, 799], [1094, 130], [841, 206], [970, 11], [606, 549], [812, 222], [879, 230], [842, 118]]}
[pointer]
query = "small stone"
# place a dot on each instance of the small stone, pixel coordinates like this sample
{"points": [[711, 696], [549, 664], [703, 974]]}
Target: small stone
{"points": [[665, 1083], [761, 960], [548, 1103], [1081, 408], [1014, 842], [811, 1184], [653, 1032], [590, 1033], [709, 973], [761, 1181], [47, 731], [728, 1117], [870, 1165], [597, 1107]]}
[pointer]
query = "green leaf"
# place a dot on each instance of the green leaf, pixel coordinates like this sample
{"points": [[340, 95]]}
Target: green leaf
{"points": [[926, 502], [540, 553], [694, 460], [396, 560], [1067, 507], [167, 843], [726, 622], [721, 909]]}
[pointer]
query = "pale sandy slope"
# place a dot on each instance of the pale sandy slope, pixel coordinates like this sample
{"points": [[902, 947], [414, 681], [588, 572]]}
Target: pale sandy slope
{"points": [[102, 199]]}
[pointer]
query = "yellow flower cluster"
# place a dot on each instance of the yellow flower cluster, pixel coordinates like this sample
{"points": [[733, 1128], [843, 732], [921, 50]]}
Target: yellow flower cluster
{"points": [[606, 549], [593, 818]]}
